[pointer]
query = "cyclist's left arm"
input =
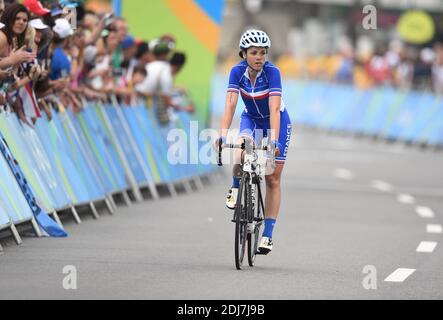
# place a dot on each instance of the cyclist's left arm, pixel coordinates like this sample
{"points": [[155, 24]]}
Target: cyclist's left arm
{"points": [[275, 102], [274, 110]]}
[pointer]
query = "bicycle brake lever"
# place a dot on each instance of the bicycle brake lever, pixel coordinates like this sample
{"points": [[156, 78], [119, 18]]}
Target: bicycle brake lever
{"points": [[220, 145]]}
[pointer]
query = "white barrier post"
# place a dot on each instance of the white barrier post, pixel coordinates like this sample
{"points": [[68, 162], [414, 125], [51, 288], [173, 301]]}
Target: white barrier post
{"points": [[36, 228], [188, 186], [112, 202], [56, 218], [138, 155], [109, 206], [65, 119], [15, 234], [75, 215], [132, 181], [94, 210]]}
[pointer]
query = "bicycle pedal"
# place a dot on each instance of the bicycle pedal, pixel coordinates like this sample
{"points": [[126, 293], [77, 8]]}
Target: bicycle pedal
{"points": [[263, 252]]}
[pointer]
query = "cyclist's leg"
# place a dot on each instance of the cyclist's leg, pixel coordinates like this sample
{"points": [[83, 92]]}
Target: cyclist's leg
{"points": [[273, 182], [273, 193]]}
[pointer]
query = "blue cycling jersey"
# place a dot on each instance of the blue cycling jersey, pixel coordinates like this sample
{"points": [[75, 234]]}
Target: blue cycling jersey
{"points": [[256, 96]]}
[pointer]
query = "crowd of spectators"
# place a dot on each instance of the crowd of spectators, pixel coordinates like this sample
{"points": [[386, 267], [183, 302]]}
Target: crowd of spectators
{"points": [[397, 65], [56, 54]]}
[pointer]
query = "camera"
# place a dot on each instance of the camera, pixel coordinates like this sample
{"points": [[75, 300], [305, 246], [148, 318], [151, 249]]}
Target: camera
{"points": [[27, 66], [117, 72], [109, 17]]}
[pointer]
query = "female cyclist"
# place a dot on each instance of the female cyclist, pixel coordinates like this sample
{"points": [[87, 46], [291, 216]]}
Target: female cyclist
{"points": [[259, 83]]}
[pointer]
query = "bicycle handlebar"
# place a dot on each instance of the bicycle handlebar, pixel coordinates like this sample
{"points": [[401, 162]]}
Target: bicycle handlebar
{"points": [[235, 146]]}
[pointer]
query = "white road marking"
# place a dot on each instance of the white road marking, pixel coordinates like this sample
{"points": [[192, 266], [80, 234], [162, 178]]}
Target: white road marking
{"points": [[381, 186], [425, 212], [427, 247], [343, 174], [434, 228], [328, 185], [400, 275], [406, 198]]}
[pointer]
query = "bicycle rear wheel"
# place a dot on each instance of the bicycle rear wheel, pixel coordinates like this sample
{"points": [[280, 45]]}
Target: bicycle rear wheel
{"points": [[257, 219], [241, 223]]}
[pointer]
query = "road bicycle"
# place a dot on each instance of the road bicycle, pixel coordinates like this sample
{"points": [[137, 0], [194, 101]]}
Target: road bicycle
{"points": [[249, 210]]}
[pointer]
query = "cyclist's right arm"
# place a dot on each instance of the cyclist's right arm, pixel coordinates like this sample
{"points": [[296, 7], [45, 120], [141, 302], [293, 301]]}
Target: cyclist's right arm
{"points": [[231, 101], [230, 106]]}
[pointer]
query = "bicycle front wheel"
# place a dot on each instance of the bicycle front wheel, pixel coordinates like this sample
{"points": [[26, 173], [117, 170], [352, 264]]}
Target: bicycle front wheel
{"points": [[257, 220], [241, 221]]}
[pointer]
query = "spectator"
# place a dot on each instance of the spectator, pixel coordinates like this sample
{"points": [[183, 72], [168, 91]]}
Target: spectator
{"points": [[169, 40], [159, 72], [130, 61], [344, 74], [378, 69], [15, 18], [180, 100], [13, 40], [44, 60], [61, 64], [35, 7], [177, 61], [126, 89], [437, 69], [423, 69], [159, 81], [121, 28], [144, 54], [404, 71]]}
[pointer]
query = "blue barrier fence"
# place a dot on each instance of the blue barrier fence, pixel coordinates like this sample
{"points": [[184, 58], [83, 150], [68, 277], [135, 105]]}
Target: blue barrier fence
{"points": [[385, 112], [79, 159]]}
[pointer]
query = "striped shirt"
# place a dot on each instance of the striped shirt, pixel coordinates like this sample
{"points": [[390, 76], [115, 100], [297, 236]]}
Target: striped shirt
{"points": [[256, 97]]}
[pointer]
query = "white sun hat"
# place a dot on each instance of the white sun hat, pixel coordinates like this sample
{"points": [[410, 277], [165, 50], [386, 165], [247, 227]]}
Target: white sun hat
{"points": [[38, 24], [63, 28]]}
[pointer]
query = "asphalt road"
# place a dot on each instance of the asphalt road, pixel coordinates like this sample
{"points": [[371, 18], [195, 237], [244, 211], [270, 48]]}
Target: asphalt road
{"points": [[350, 206]]}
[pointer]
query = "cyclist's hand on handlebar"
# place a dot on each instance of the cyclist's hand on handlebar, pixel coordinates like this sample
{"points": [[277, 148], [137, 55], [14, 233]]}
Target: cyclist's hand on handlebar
{"points": [[278, 147]]}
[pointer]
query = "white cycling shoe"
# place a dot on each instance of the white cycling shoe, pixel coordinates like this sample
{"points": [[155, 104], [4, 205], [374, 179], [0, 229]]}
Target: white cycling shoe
{"points": [[231, 201], [266, 246]]}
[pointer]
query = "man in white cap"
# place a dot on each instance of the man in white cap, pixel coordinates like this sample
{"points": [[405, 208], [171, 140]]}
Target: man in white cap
{"points": [[63, 28], [61, 64]]}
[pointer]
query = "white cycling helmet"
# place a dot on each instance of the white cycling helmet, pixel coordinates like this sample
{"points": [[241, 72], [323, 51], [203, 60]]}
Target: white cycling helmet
{"points": [[255, 38]]}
